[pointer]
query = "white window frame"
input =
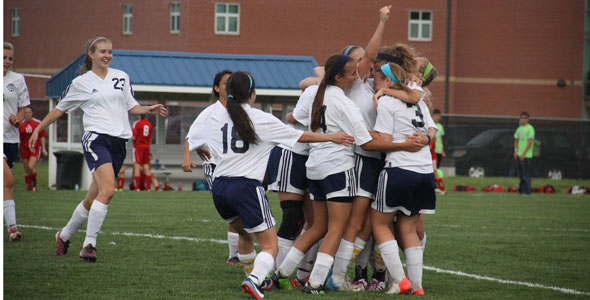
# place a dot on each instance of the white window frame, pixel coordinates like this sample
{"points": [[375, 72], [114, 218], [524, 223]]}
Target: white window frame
{"points": [[174, 17], [127, 18], [227, 15], [15, 30], [420, 22]]}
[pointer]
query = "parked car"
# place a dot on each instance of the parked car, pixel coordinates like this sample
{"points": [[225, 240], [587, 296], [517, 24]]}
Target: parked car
{"points": [[491, 153]]}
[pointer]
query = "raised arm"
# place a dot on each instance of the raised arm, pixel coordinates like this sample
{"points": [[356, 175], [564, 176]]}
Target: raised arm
{"points": [[372, 48]]}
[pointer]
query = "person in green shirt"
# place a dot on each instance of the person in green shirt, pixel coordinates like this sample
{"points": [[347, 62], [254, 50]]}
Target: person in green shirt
{"points": [[523, 152], [438, 144]]}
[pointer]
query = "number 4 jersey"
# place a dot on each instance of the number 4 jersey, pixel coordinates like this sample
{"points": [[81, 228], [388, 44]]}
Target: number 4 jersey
{"points": [[105, 102], [236, 158]]}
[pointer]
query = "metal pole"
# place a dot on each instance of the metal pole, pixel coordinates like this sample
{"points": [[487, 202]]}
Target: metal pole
{"points": [[448, 57]]}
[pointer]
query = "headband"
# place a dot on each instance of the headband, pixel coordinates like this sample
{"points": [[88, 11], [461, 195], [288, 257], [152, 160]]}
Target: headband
{"points": [[429, 68], [348, 49], [339, 65], [389, 58], [386, 69], [250, 77], [96, 40]]}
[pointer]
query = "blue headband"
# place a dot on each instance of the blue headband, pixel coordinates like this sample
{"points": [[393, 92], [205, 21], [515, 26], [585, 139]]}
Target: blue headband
{"points": [[230, 96], [348, 49], [386, 69], [389, 58], [249, 77], [339, 65]]}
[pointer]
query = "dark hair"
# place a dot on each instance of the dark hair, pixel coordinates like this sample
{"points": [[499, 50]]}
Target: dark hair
{"points": [[329, 79], [524, 113], [436, 111], [217, 80], [91, 46], [240, 86]]}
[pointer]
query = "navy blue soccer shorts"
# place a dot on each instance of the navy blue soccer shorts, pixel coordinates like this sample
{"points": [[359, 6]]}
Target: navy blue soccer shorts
{"points": [[100, 149], [11, 153], [406, 191], [286, 171], [340, 185], [244, 198]]}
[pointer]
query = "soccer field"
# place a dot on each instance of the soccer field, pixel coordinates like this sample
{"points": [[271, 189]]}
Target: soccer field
{"points": [[172, 245]]}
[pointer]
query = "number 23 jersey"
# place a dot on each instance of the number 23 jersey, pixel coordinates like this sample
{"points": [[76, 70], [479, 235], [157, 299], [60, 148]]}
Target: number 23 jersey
{"points": [[105, 102], [236, 157]]}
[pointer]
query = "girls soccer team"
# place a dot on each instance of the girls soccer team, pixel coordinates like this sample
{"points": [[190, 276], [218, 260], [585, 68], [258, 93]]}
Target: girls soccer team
{"points": [[356, 191]]}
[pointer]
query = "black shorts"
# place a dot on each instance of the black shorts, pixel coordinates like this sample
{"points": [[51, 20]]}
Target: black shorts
{"points": [[11, 153]]}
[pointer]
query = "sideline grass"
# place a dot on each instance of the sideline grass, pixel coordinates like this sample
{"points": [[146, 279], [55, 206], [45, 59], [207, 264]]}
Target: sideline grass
{"points": [[540, 239]]}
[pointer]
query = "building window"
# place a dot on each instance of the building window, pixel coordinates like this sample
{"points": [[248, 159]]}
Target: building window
{"points": [[174, 17], [227, 18], [127, 18], [420, 25], [15, 22]]}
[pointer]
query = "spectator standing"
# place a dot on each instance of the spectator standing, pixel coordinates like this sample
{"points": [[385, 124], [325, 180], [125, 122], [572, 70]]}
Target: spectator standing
{"points": [[523, 152], [438, 144]]}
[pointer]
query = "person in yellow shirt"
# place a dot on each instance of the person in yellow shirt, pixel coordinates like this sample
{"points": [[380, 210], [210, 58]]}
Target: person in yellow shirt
{"points": [[523, 152]]}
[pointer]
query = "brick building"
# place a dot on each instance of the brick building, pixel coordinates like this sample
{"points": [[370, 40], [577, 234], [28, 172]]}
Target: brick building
{"points": [[504, 56]]}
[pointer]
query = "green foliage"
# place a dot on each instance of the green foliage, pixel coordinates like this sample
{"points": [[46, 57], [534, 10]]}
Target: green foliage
{"points": [[178, 250]]}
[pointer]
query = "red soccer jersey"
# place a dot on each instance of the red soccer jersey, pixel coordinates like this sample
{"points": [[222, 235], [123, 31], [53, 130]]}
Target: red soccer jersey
{"points": [[26, 129], [142, 132]]}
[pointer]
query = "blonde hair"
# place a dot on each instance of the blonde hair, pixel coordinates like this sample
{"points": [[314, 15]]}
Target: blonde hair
{"points": [[8, 46], [404, 52], [91, 46], [399, 73]]}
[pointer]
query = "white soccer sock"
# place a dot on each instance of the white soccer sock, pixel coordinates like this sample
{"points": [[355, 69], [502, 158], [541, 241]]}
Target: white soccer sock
{"points": [[379, 263], [321, 268], [79, 217], [341, 261], [423, 242], [362, 259], [414, 257], [262, 265], [294, 256], [284, 247], [358, 246], [98, 211], [247, 261], [390, 253], [306, 265], [232, 242], [9, 214]]}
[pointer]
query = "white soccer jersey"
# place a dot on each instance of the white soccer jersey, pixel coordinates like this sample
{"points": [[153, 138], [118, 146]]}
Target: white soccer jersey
{"points": [[401, 119], [105, 102], [361, 94], [340, 114], [16, 94], [301, 107], [239, 159], [215, 145]]}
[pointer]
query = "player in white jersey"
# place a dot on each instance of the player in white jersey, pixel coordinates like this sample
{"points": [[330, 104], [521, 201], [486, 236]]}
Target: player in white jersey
{"points": [[330, 169], [406, 184], [16, 99], [209, 157], [106, 98], [246, 136]]}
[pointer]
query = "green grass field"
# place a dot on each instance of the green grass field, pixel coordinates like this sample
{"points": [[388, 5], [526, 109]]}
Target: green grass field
{"points": [[171, 245]]}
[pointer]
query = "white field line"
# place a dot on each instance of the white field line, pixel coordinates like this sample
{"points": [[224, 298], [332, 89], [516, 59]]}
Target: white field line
{"points": [[457, 273]]}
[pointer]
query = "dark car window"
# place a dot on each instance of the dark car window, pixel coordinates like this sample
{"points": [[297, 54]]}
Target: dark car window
{"points": [[561, 141], [484, 138], [506, 140]]}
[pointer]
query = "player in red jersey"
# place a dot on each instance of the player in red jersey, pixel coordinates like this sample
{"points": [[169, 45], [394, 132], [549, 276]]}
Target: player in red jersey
{"points": [[142, 139], [28, 157]]}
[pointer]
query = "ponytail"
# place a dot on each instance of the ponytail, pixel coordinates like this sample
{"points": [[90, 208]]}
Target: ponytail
{"points": [[334, 66], [240, 86]]}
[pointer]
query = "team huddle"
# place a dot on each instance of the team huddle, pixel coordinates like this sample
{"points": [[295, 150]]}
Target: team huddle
{"points": [[353, 171], [353, 167]]}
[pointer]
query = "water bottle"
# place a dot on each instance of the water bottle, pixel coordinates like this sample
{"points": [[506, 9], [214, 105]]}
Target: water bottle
{"points": [[157, 164], [77, 187], [180, 186]]}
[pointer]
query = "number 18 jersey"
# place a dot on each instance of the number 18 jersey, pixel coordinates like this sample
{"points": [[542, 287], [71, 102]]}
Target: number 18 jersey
{"points": [[236, 157]]}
